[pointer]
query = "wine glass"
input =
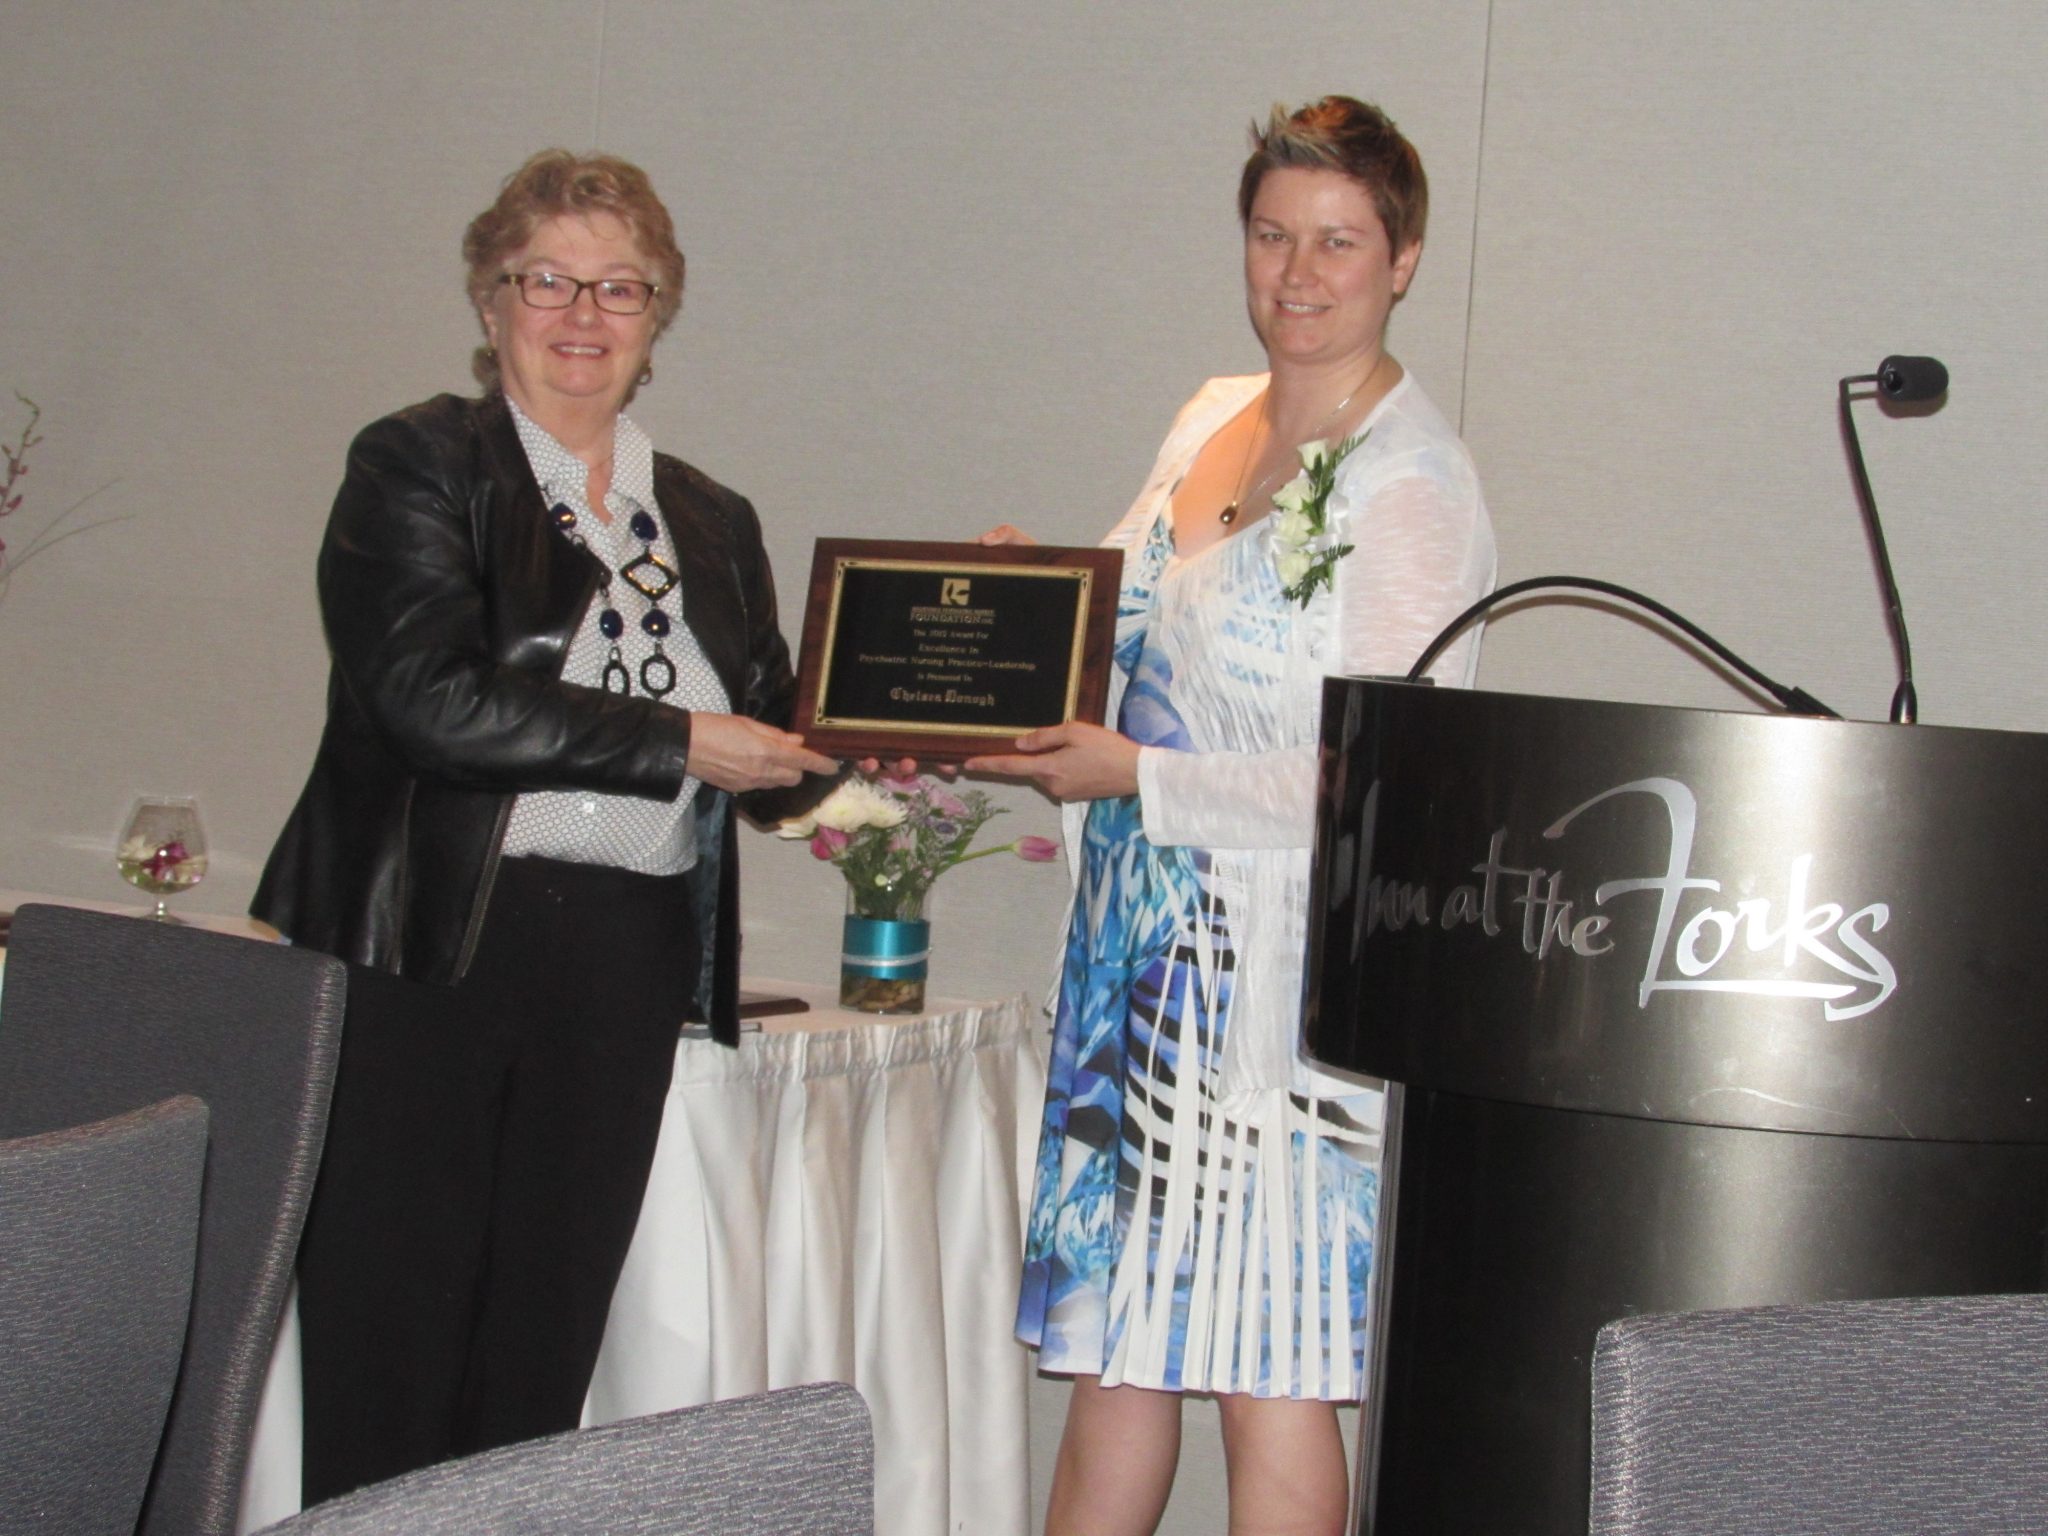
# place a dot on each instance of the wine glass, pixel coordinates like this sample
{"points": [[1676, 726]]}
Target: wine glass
{"points": [[163, 849]]}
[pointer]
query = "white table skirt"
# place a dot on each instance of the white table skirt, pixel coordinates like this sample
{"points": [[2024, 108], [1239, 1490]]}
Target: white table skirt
{"points": [[840, 1199]]}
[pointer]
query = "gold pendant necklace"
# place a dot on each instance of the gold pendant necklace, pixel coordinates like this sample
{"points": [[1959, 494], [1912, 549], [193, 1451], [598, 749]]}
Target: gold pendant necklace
{"points": [[1237, 501], [1244, 464]]}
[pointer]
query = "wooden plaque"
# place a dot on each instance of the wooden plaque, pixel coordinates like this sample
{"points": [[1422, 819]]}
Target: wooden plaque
{"points": [[945, 651]]}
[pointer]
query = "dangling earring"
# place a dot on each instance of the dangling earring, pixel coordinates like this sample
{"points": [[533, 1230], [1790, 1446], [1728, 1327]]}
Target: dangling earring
{"points": [[647, 375]]}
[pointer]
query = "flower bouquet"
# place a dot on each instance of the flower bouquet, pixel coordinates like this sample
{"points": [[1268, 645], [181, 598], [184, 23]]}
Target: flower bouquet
{"points": [[892, 838]]}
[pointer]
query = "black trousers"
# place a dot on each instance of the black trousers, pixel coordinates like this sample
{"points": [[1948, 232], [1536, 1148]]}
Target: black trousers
{"points": [[486, 1155]]}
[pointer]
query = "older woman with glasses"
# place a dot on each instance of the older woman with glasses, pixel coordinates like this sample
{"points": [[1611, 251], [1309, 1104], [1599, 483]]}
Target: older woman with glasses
{"points": [[555, 664]]}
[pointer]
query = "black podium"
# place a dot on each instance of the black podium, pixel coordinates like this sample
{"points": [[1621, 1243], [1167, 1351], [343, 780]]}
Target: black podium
{"points": [[1687, 1009]]}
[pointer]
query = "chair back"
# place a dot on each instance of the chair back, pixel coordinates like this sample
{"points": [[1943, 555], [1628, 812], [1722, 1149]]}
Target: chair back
{"points": [[799, 1459], [99, 1224], [102, 1014], [1918, 1414]]}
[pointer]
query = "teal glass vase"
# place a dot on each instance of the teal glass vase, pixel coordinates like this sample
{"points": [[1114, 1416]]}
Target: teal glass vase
{"points": [[885, 951]]}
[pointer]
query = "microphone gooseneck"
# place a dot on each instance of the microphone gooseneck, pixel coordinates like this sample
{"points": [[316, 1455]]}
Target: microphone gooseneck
{"points": [[1796, 700], [1904, 379]]}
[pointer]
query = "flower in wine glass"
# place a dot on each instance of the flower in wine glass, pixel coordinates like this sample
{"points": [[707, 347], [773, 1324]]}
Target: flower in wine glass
{"points": [[162, 851]]}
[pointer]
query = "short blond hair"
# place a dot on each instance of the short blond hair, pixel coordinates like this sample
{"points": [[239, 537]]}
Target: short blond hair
{"points": [[1341, 133], [554, 183]]}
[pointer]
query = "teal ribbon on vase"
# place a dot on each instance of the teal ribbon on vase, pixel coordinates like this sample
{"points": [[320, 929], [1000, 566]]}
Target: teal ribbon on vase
{"points": [[882, 963], [886, 949]]}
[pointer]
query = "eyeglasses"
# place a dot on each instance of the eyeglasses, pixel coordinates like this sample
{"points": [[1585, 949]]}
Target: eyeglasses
{"points": [[613, 295]]}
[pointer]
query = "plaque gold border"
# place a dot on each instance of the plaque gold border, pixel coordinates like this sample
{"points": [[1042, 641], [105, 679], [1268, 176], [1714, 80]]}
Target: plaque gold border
{"points": [[821, 715], [1094, 574]]}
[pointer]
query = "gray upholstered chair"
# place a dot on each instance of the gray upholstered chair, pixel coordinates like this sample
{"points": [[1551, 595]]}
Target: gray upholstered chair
{"points": [[1927, 1414], [97, 1231], [800, 1459], [104, 1014]]}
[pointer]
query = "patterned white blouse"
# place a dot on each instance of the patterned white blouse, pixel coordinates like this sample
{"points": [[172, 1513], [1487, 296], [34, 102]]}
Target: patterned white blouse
{"points": [[650, 837]]}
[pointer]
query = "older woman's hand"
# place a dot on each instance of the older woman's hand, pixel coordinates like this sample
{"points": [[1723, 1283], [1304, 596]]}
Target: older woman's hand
{"points": [[1006, 533], [1075, 761], [735, 753]]}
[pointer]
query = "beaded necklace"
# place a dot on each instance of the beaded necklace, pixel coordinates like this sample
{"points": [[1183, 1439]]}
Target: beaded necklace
{"points": [[649, 575]]}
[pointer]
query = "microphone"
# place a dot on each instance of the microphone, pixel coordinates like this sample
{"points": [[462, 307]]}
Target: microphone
{"points": [[1905, 379], [1796, 700], [1912, 378]]}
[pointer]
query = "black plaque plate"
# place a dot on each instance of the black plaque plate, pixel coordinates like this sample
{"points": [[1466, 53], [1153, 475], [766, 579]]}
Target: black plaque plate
{"points": [[943, 651]]}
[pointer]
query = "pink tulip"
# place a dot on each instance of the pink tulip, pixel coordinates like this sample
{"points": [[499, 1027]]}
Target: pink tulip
{"points": [[828, 842], [1037, 850]]}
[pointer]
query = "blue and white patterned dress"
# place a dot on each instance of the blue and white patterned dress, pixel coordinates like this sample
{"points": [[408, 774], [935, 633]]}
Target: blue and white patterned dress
{"points": [[1186, 1234]]}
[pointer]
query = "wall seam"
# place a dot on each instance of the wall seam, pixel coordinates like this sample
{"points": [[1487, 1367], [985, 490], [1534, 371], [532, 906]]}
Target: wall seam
{"points": [[604, 16], [1478, 188]]}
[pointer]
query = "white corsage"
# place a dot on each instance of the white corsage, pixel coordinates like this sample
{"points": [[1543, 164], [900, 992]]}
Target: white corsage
{"points": [[1305, 547]]}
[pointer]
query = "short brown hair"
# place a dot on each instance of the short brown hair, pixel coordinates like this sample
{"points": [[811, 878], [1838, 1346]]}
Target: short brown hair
{"points": [[554, 183], [1341, 133]]}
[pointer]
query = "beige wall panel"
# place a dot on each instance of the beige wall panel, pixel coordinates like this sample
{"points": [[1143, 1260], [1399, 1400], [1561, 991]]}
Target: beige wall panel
{"points": [[232, 239], [1692, 221], [947, 268], [957, 265], [949, 265]]}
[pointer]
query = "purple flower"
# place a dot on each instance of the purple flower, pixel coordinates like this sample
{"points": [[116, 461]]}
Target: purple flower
{"points": [[946, 803], [1037, 850], [828, 842]]}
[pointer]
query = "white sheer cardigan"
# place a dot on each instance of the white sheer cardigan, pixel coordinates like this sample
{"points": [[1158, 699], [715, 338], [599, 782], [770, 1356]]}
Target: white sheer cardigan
{"points": [[1408, 501]]}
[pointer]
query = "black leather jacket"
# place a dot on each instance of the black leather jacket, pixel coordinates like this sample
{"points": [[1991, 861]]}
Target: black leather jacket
{"points": [[449, 601]]}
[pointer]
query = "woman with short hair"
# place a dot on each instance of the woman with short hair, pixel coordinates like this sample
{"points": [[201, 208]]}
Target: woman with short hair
{"points": [[1205, 1200]]}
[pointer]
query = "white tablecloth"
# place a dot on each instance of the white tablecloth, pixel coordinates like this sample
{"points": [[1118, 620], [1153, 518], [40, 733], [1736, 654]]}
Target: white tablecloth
{"points": [[839, 1199]]}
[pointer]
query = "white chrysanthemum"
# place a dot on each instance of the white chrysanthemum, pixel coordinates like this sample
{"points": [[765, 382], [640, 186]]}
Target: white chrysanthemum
{"points": [[802, 826], [857, 804]]}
